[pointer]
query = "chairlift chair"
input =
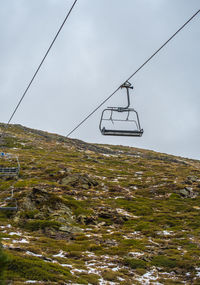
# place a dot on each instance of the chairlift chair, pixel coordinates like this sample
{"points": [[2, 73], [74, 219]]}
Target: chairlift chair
{"points": [[6, 165], [9, 200], [125, 116]]}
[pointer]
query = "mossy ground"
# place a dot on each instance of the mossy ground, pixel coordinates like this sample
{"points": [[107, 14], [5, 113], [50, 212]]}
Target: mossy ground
{"points": [[126, 202]]}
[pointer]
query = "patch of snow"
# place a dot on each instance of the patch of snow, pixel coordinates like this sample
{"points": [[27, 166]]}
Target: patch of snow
{"points": [[198, 271], [134, 187], [169, 275], [111, 233], [196, 208], [90, 254], [119, 197], [103, 282], [105, 256], [102, 266], [91, 264], [134, 234], [115, 180], [3, 227], [166, 233], [33, 254], [123, 212], [148, 277], [20, 241], [103, 177], [60, 254], [109, 155], [66, 265], [120, 279], [135, 254], [139, 173], [109, 230], [116, 268], [111, 264], [33, 281], [79, 270], [92, 271], [15, 233], [188, 274], [153, 242]]}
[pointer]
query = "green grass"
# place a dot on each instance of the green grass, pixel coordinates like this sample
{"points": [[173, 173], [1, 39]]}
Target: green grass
{"points": [[35, 225], [3, 265], [134, 263], [155, 204], [35, 269]]}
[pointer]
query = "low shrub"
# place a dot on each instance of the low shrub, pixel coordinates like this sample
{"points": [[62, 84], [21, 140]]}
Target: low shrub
{"points": [[134, 263]]}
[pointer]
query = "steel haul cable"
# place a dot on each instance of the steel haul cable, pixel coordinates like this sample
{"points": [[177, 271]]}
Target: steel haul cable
{"points": [[37, 70], [133, 74]]}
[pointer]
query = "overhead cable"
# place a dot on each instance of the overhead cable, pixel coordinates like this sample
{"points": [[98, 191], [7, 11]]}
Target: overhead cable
{"points": [[133, 74], [41, 63]]}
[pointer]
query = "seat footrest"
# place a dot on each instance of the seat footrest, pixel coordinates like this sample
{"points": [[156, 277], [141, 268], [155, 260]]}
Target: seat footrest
{"points": [[134, 133]]}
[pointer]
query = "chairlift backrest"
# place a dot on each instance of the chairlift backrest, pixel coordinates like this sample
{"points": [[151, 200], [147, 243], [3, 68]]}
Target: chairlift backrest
{"points": [[7, 167], [7, 207]]}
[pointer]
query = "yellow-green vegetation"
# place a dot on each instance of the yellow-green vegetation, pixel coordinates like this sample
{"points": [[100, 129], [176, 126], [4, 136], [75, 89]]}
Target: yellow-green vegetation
{"points": [[90, 213], [35, 269], [3, 265]]}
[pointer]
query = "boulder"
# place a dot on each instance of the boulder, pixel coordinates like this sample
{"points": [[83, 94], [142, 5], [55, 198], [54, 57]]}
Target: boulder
{"points": [[184, 193], [42, 205], [192, 178], [70, 229], [77, 180], [187, 192]]}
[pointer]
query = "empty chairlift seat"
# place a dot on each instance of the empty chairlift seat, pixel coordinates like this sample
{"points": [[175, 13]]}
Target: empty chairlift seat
{"points": [[9, 165], [121, 121], [9, 208], [9, 204]]}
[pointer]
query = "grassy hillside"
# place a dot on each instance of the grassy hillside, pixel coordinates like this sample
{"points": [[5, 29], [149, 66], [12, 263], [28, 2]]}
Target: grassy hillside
{"points": [[99, 214]]}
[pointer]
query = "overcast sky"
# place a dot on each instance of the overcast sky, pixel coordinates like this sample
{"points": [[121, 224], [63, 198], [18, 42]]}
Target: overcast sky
{"points": [[101, 45]]}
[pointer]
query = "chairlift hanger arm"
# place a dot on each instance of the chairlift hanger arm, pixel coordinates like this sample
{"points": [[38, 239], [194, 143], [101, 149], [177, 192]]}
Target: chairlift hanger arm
{"points": [[9, 170], [128, 86], [133, 74]]}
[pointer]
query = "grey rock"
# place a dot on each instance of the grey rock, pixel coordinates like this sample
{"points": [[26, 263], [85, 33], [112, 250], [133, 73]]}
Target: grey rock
{"points": [[72, 229], [192, 178], [189, 189], [187, 192], [184, 193], [77, 180]]}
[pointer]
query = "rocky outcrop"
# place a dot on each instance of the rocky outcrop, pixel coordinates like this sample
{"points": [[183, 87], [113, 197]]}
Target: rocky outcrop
{"points": [[40, 205], [187, 192], [77, 180]]}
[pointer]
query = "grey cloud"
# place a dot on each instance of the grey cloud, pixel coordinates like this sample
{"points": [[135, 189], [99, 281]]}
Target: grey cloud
{"points": [[101, 45]]}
